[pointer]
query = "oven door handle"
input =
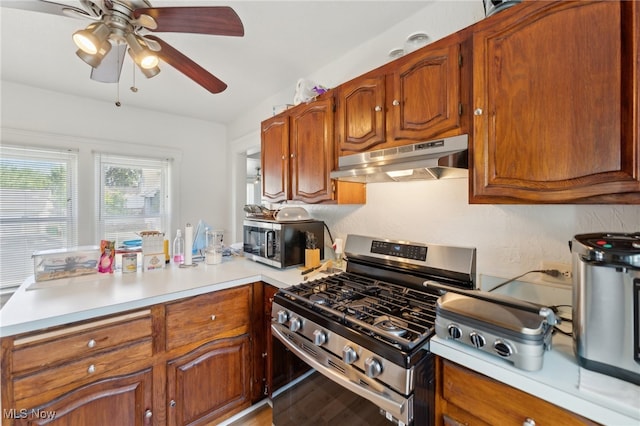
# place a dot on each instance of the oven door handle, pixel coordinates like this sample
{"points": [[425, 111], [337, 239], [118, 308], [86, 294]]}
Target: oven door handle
{"points": [[389, 401]]}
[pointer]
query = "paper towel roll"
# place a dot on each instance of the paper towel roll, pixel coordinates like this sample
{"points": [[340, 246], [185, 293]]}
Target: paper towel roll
{"points": [[339, 245], [188, 244]]}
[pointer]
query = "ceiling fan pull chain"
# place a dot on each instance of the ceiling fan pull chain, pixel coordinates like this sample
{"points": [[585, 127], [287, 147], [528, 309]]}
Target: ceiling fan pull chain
{"points": [[118, 104], [133, 88]]}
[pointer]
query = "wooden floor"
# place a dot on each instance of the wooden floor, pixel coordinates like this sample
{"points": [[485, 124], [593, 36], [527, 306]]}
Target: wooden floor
{"points": [[260, 417]]}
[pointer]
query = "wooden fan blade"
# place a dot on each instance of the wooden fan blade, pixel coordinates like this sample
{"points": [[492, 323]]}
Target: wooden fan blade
{"points": [[187, 67], [47, 7], [213, 20], [109, 69]]}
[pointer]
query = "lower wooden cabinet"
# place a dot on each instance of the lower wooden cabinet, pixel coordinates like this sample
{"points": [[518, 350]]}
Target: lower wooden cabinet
{"points": [[209, 382], [464, 397], [186, 362], [122, 400]]}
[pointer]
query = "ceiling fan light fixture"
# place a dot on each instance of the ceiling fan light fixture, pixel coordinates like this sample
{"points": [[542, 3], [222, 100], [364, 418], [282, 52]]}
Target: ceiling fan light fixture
{"points": [[92, 38], [150, 72], [96, 59], [141, 54]]}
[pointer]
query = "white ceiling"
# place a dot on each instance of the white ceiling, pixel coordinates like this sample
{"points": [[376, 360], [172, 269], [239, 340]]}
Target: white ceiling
{"points": [[283, 41]]}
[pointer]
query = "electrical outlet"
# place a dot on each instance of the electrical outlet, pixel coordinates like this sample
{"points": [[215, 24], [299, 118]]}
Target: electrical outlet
{"points": [[565, 276]]}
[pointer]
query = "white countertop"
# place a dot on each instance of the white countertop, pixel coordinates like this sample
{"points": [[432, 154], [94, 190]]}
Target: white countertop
{"points": [[68, 300], [64, 301], [558, 382]]}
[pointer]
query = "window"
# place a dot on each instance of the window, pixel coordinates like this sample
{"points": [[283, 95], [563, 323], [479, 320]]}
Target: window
{"points": [[38, 207], [133, 196]]}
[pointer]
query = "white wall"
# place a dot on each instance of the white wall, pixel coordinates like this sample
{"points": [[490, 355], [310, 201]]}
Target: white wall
{"points": [[199, 148]]}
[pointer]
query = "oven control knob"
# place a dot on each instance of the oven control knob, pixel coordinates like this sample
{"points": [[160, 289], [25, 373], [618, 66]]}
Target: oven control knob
{"points": [[454, 331], [477, 339], [295, 324], [503, 349], [282, 316], [319, 337], [349, 355], [372, 367]]}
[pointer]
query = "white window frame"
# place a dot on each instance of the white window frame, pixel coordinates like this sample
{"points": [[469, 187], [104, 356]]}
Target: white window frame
{"points": [[122, 160]]}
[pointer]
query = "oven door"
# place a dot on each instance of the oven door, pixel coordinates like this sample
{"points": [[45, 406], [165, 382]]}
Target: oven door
{"points": [[337, 393]]}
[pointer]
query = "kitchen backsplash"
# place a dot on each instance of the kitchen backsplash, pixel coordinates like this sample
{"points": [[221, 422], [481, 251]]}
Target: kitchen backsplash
{"points": [[511, 239]]}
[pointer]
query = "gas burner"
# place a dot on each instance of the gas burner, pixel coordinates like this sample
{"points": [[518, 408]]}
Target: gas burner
{"points": [[318, 298], [390, 325]]}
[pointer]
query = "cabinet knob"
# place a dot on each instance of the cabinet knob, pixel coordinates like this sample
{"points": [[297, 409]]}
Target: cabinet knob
{"points": [[148, 414], [378, 108], [91, 369], [478, 111], [264, 355], [293, 156], [91, 343], [283, 157], [529, 422], [213, 317], [395, 102], [172, 403]]}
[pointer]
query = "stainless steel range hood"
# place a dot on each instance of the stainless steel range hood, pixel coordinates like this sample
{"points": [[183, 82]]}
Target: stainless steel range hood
{"points": [[437, 159]]}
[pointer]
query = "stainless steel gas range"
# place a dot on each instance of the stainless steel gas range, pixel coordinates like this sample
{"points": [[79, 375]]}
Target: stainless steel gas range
{"points": [[367, 330]]}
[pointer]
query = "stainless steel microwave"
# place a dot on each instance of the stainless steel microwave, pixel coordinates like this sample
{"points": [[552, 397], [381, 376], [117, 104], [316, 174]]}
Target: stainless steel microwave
{"points": [[280, 244]]}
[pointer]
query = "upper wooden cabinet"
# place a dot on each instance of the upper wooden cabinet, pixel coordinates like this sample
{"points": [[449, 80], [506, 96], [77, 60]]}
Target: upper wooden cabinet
{"points": [[298, 156], [555, 89], [361, 114], [416, 98], [275, 158]]}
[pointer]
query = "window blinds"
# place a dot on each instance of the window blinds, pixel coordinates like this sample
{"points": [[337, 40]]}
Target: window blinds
{"points": [[38, 206]]}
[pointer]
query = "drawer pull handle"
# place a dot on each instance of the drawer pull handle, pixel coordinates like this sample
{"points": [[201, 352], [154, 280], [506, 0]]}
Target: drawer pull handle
{"points": [[148, 414], [91, 369], [91, 343], [213, 317]]}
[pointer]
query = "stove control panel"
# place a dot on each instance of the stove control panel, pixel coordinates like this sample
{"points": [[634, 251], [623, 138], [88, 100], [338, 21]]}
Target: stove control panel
{"points": [[405, 251]]}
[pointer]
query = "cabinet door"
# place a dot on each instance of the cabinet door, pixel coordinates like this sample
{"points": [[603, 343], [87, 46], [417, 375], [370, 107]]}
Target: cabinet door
{"points": [[472, 398], [209, 382], [311, 151], [426, 101], [275, 158], [361, 115], [556, 104], [125, 400]]}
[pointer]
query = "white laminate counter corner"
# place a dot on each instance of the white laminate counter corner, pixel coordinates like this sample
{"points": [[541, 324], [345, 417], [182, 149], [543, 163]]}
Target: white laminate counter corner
{"points": [[68, 300], [558, 382]]}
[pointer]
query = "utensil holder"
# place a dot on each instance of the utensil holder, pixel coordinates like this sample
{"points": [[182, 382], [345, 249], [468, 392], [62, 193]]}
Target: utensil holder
{"points": [[311, 258]]}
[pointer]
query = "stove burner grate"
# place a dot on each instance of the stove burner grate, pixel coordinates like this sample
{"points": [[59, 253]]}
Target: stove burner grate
{"points": [[399, 315]]}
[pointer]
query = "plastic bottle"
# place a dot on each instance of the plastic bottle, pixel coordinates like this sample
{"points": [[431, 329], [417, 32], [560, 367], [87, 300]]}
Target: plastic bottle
{"points": [[178, 248]]}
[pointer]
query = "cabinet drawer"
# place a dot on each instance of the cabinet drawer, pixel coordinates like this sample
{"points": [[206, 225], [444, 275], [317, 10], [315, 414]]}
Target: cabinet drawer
{"points": [[82, 371], [496, 403], [70, 343], [223, 313]]}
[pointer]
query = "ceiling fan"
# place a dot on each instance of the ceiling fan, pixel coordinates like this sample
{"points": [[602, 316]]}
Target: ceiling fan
{"points": [[126, 25]]}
